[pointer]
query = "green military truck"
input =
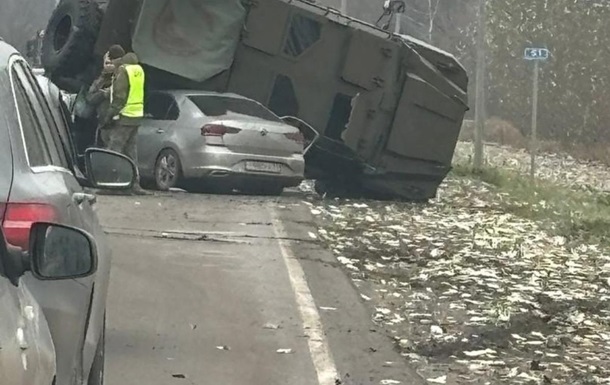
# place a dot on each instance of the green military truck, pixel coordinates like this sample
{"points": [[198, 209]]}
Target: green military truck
{"points": [[388, 108]]}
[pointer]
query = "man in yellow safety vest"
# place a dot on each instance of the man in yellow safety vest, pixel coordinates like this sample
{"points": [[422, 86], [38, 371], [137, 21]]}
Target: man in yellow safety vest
{"points": [[120, 126]]}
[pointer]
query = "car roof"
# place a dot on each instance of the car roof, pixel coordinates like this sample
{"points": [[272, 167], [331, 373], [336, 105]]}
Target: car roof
{"points": [[6, 105], [185, 93], [6, 51]]}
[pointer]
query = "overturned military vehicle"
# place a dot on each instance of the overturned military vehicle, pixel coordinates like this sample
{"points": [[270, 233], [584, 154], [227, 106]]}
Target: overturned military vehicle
{"points": [[388, 108]]}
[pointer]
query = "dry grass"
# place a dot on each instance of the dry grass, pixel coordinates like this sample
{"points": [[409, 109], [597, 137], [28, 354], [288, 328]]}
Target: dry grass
{"points": [[504, 133], [496, 131], [578, 215]]}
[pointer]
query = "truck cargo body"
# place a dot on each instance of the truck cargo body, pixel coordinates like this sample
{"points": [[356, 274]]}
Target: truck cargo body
{"points": [[389, 107]]}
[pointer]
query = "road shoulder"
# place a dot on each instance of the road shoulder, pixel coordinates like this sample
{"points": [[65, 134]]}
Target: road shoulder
{"points": [[362, 351]]}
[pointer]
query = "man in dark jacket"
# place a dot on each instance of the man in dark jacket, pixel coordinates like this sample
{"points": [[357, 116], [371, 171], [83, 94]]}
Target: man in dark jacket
{"points": [[119, 128], [91, 104], [98, 95]]}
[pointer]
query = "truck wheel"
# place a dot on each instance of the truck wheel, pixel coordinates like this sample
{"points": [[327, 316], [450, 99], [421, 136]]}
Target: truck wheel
{"points": [[70, 37]]}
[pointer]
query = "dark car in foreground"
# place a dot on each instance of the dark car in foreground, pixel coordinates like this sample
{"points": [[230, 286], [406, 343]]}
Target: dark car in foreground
{"points": [[59, 253], [41, 182]]}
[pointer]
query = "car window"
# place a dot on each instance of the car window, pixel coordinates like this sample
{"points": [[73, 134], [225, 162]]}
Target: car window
{"points": [[36, 148], [62, 116], [42, 144], [160, 106], [48, 123], [216, 106]]}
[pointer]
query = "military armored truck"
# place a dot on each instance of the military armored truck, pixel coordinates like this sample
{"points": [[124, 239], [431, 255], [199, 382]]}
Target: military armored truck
{"points": [[388, 108]]}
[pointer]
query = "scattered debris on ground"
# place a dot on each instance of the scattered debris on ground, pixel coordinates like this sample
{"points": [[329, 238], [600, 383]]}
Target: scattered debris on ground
{"points": [[475, 292]]}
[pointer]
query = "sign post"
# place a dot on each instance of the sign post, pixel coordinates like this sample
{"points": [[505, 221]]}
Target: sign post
{"points": [[398, 25], [479, 111], [536, 55]]}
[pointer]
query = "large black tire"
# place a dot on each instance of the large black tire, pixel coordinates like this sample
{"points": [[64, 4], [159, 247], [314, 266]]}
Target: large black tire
{"points": [[70, 37]]}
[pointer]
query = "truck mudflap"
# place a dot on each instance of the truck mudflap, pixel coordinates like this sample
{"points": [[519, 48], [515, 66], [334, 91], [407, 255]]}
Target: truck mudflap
{"points": [[416, 183], [340, 172], [332, 160]]}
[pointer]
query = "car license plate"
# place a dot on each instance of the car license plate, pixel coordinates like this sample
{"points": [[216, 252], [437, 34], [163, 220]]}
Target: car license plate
{"points": [[273, 168]]}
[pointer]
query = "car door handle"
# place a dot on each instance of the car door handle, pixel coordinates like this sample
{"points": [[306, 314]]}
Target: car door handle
{"points": [[160, 131], [80, 198]]}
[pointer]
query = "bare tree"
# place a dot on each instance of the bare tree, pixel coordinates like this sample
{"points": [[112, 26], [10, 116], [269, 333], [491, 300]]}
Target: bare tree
{"points": [[432, 12], [21, 19]]}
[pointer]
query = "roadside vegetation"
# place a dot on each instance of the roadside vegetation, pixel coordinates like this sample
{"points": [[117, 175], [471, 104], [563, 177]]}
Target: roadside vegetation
{"points": [[502, 279], [580, 215]]}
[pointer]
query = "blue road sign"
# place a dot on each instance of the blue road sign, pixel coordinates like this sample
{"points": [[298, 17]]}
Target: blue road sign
{"points": [[536, 54]]}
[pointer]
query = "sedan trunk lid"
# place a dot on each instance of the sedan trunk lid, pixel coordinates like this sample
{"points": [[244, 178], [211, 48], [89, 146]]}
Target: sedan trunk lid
{"points": [[257, 137], [245, 126]]}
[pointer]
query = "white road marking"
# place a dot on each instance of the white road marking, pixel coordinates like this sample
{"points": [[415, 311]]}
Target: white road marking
{"points": [[21, 338], [312, 323]]}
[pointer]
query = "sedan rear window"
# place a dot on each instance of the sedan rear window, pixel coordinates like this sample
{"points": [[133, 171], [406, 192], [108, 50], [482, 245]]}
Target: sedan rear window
{"points": [[227, 106]]}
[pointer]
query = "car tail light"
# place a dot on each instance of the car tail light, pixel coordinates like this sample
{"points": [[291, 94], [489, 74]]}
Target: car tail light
{"points": [[218, 130], [296, 136], [18, 218]]}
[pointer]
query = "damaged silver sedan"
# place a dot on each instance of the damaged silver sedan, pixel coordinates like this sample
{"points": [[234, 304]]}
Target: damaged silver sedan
{"points": [[210, 140]]}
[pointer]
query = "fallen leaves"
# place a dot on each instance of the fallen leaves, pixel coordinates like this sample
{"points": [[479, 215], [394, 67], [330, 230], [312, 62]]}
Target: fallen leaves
{"points": [[462, 283], [479, 353], [438, 380]]}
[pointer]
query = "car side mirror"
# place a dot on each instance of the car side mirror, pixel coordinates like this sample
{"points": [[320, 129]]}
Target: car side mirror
{"points": [[60, 252], [109, 170]]}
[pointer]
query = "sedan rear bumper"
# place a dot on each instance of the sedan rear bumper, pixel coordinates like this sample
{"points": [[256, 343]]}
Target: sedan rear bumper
{"points": [[215, 162]]}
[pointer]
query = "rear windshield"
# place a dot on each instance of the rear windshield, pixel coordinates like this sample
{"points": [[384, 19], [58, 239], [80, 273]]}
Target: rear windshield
{"points": [[228, 106]]}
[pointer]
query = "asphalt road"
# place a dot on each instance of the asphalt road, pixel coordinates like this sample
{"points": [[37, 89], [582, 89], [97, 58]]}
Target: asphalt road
{"points": [[206, 289]]}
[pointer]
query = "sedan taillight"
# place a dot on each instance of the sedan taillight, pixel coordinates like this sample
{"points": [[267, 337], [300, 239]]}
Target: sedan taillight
{"points": [[218, 130], [18, 218], [296, 136]]}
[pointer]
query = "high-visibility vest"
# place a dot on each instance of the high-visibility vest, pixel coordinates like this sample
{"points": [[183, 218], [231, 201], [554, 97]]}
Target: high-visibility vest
{"points": [[134, 108]]}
